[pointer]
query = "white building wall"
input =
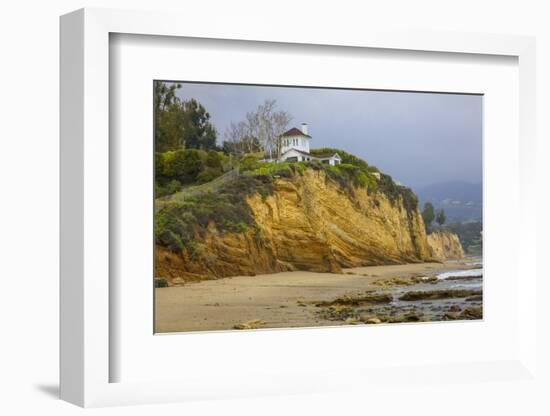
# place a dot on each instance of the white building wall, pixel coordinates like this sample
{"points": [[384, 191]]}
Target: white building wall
{"points": [[306, 144], [292, 153], [296, 142]]}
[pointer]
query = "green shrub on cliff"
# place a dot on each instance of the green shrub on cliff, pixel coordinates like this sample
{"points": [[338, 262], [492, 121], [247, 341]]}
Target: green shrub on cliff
{"points": [[249, 162], [188, 167], [394, 192], [359, 173], [346, 175], [347, 158], [355, 171], [278, 170], [178, 223]]}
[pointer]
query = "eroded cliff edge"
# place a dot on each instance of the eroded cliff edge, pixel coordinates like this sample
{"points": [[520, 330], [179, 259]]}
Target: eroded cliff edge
{"points": [[306, 222], [445, 245]]}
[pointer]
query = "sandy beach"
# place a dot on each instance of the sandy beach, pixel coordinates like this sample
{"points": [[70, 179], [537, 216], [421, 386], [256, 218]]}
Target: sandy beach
{"points": [[276, 300]]}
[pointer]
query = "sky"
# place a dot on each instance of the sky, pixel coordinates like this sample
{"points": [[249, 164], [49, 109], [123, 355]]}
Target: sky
{"points": [[417, 138]]}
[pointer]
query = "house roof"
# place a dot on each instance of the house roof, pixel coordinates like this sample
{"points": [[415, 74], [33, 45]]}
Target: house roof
{"points": [[314, 155], [298, 151], [294, 132], [325, 155]]}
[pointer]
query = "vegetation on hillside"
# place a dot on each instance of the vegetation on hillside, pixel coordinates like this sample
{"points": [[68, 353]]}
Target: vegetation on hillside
{"points": [[347, 158], [362, 174], [429, 214], [394, 192], [174, 169], [470, 234], [180, 221]]}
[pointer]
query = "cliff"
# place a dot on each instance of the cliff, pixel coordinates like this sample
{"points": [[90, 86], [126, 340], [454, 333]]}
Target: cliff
{"points": [[306, 222], [445, 245]]}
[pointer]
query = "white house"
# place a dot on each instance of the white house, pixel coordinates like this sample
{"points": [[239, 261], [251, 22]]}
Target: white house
{"points": [[295, 147], [296, 139]]}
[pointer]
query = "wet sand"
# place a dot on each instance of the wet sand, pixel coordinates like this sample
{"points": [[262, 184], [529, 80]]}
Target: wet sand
{"points": [[279, 299]]}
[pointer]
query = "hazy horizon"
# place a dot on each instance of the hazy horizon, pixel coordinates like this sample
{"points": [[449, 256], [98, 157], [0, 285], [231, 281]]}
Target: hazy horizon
{"points": [[417, 138]]}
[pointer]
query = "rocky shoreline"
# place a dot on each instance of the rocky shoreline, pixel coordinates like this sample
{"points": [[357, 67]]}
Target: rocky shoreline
{"points": [[376, 307]]}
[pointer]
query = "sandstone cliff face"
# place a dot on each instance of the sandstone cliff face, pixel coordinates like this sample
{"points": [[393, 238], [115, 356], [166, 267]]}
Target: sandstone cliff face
{"points": [[307, 223], [445, 245]]}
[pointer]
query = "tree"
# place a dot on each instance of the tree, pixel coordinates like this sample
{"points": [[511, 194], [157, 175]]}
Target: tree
{"points": [[168, 120], [198, 132], [214, 160], [428, 214], [180, 124], [183, 165], [440, 217], [281, 119], [260, 130], [239, 139], [192, 165]]}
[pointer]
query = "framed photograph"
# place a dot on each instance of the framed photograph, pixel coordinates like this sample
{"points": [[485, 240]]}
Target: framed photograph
{"points": [[283, 212], [261, 223]]}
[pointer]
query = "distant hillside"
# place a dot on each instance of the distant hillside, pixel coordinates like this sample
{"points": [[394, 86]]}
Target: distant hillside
{"points": [[462, 201]]}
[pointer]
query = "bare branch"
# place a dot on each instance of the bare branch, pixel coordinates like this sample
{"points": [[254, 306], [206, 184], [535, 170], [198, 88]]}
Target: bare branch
{"points": [[261, 129]]}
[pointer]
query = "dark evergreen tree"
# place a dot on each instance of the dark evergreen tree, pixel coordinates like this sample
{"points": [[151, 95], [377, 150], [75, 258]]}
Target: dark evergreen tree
{"points": [[428, 214], [180, 124], [440, 217]]}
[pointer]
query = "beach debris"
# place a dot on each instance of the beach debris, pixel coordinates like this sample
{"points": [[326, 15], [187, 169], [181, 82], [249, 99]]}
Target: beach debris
{"points": [[212, 304], [253, 324]]}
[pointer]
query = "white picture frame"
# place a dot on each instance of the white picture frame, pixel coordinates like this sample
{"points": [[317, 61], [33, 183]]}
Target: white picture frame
{"points": [[85, 211]]}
